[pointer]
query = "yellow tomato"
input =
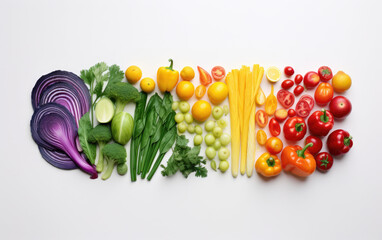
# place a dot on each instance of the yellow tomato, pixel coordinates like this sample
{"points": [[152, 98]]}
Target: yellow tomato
{"points": [[185, 90], [341, 82], [187, 73], [217, 92], [147, 85], [133, 74], [201, 110], [261, 137], [200, 91]]}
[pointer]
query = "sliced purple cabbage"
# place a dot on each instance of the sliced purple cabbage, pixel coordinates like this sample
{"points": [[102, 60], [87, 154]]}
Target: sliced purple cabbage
{"points": [[53, 127], [60, 77], [57, 158]]}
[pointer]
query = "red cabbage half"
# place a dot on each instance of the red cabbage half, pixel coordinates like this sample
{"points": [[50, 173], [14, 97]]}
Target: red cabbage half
{"points": [[57, 158], [53, 127], [60, 77]]}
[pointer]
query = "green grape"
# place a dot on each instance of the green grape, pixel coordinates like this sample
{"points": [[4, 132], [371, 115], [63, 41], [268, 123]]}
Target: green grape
{"points": [[223, 166], [223, 153], [217, 132], [191, 129], [209, 139], [198, 130], [182, 127], [225, 139], [213, 165], [188, 118], [217, 113], [210, 153], [175, 106], [217, 144], [184, 106], [209, 125], [198, 139], [179, 117], [222, 123]]}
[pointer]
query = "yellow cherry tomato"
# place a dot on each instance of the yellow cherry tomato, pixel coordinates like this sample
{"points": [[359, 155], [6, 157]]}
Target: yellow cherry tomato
{"points": [[147, 85], [201, 110], [185, 90], [261, 137], [187, 73], [217, 92], [260, 97], [200, 91], [341, 82], [133, 74]]}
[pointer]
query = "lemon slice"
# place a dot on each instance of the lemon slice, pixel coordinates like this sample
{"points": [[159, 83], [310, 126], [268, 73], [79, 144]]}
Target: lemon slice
{"points": [[273, 74], [104, 110]]}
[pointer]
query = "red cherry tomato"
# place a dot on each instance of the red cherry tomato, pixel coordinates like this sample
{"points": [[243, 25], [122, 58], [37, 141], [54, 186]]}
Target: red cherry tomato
{"points": [[307, 98], [323, 94], [285, 98], [261, 118], [324, 161], [274, 127], [281, 114], [218, 73], [298, 79], [317, 144], [311, 79], [302, 109], [287, 84], [289, 71], [291, 113], [298, 90], [325, 73], [340, 107]]}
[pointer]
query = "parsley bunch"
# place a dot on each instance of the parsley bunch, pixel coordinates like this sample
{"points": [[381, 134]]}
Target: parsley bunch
{"points": [[185, 159]]}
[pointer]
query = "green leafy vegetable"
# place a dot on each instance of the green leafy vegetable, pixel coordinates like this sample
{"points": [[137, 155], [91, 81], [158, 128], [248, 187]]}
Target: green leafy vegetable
{"points": [[84, 127], [185, 159]]}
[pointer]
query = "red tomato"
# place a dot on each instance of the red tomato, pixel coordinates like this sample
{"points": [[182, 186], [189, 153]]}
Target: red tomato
{"points": [[317, 144], [261, 118], [324, 161], [302, 109], [218, 73], [287, 84], [285, 98], [340, 107], [291, 113], [298, 90], [307, 98], [204, 77], [298, 79], [325, 73], [274, 127], [323, 94], [311, 79], [281, 114], [289, 71]]}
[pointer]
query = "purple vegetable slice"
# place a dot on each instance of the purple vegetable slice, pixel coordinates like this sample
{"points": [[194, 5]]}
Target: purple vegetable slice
{"points": [[58, 159], [63, 77], [53, 127]]}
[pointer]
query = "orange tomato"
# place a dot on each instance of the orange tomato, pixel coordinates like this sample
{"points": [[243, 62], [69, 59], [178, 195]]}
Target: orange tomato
{"points": [[323, 94], [185, 90], [274, 145], [217, 92], [200, 91], [201, 110]]}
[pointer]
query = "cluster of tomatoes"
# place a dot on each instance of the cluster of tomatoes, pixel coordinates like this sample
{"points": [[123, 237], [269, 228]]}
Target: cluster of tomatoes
{"points": [[319, 123]]}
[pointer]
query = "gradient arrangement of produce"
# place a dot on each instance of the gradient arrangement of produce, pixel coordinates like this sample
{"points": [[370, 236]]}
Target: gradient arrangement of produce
{"points": [[80, 122]]}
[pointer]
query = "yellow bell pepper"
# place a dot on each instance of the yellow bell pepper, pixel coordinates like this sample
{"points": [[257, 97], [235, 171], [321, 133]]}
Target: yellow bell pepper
{"points": [[167, 78], [268, 165]]}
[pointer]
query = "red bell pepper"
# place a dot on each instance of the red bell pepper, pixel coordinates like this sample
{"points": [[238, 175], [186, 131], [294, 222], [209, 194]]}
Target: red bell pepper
{"points": [[294, 129], [320, 122], [339, 142]]}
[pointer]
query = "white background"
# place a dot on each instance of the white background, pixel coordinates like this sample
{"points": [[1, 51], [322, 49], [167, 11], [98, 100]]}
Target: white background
{"points": [[38, 201]]}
